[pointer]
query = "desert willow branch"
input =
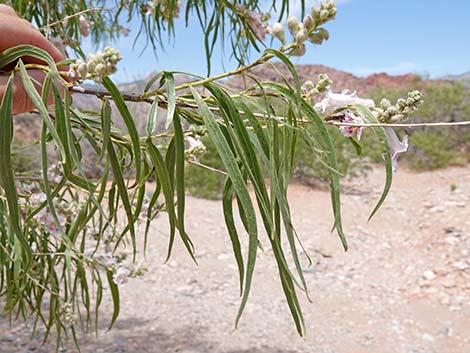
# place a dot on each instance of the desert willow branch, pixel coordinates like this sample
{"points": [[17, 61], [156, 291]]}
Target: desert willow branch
{"points": [[410, 125], [132, 97]]}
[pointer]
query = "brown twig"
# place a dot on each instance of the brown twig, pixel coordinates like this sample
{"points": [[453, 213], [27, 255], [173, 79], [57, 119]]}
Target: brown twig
{"points": [[132, 97]]}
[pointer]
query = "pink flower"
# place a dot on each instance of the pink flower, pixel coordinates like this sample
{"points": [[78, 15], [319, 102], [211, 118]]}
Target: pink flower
{"points": [[120, 276], [396, 146], [336, 101], [349, 131], [258, 26], [84, 26]]}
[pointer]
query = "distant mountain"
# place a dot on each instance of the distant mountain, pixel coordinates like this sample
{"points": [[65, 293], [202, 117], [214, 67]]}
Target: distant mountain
{"points": [[341, 79], [464, 78]]}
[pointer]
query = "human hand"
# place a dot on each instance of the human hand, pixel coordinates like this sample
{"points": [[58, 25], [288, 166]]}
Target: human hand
{"points": [[17, 31]]}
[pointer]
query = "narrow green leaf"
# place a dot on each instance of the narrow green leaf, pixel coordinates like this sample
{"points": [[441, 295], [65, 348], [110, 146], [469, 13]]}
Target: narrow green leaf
{"points": [[37, 101], [240, 188], [6, 168], [170, 86], [152, 117], [232, 229], [167, 188], [179, 176], [127, 118], [380, 132], [327, 145], [115, 295], [123, 193], [105, 126]]}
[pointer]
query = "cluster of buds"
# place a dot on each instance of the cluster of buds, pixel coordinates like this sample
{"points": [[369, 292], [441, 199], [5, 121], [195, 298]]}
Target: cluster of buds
{"points": [[69, 316], [165, 11], [309, 29], [196, 148], [309, 89], [389, 113], [97, 66]]}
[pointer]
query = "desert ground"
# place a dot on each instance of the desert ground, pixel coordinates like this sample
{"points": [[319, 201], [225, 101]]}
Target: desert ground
{"points": [[403, 286]]}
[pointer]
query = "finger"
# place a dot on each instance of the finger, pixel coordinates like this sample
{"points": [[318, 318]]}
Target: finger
{"points": [[7, 10], [16, 31], [21, 101]]}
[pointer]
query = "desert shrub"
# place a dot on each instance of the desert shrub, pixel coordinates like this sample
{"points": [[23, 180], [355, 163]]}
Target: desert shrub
{"points": [[202, 182], [430, 150]]}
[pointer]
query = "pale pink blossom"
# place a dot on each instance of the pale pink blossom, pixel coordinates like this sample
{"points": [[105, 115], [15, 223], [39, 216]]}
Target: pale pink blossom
{"points": [[120, 276], [336, 101], [84, 26], [396, 146], [257, 24], [349, 131]]}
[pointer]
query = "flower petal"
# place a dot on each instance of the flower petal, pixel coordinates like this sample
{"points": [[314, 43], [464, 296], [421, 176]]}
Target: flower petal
{"points": [[396, 146]]}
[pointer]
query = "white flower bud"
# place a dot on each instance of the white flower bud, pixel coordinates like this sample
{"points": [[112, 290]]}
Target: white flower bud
{"points": [[82, 70], [324, 14], [299, 50], [292, 24], [100, 70], [277, 30], [91, 65], [315, 14], [332, 13], [301, 36], [385, 103], [309, 22]]}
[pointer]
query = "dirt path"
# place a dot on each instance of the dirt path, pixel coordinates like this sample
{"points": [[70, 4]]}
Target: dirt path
{"points": [[404, 286]]}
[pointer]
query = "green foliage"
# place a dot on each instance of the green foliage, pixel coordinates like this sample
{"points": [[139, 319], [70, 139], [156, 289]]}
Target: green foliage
{"points": [[62, 232], [431, 150]]}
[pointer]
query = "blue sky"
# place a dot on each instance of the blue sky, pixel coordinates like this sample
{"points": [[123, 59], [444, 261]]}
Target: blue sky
{"points": [[394, 36]]}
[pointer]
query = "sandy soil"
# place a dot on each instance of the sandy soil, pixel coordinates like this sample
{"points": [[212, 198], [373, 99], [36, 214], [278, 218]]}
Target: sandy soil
{"points": [[404, 285]]}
